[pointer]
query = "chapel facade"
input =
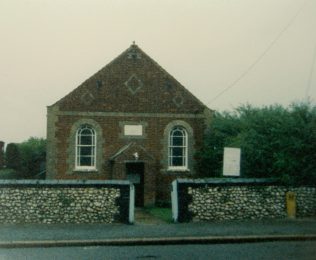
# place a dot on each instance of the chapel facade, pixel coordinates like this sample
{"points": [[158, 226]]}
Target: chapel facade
{"points": [[129, 121]]}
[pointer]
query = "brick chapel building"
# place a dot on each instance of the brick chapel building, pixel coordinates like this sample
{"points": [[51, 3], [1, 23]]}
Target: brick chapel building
{"points": [[131, 120]]}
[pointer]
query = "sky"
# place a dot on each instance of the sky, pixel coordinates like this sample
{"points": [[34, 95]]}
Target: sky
{"points": [[226, 52]]}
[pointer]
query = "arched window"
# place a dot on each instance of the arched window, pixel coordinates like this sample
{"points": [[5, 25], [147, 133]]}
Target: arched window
{"points": [[85, 148], [178, 148]]}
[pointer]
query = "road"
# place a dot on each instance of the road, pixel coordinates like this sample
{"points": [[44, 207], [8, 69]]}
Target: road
{"points": [[267, 250]]}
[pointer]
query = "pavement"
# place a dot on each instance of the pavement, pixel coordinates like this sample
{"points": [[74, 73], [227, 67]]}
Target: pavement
{"points": [[152, 231]]}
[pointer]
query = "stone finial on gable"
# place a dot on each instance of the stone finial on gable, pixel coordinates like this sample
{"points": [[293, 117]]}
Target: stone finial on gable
{"points": [[133, 52]]}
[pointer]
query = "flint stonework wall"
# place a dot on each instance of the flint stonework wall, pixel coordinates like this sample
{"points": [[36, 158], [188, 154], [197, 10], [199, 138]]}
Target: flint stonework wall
{"points": [[215, 200], [52, 202]]}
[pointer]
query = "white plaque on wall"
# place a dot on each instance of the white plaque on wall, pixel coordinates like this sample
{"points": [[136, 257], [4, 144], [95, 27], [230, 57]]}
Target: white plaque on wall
{"points": [[231, 165], [136, 130]]}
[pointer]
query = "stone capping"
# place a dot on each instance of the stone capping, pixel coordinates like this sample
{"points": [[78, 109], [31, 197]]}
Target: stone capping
{"points": [[229, 181], [66, 183], [237, 181]]}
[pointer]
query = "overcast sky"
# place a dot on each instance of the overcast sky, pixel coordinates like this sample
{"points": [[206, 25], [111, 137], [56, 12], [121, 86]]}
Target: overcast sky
{"points": [[261, 52]]}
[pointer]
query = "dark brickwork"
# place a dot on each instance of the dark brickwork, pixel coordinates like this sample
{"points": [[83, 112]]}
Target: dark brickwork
{"points": [[132, 89]]}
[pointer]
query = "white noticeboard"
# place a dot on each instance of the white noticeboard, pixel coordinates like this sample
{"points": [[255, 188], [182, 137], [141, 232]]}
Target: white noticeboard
{"points": [[231, 165]]}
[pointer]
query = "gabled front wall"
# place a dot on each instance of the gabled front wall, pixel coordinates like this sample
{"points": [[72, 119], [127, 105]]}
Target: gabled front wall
{"points": [[132, 89]]}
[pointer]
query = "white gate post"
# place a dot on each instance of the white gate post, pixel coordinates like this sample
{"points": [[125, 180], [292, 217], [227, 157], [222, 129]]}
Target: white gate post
{"points": [[174, 201], [131, 215]]}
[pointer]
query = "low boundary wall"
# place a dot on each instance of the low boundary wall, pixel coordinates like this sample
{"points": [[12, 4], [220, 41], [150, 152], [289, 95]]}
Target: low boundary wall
{"points": [[227, 199], [66, 201]]}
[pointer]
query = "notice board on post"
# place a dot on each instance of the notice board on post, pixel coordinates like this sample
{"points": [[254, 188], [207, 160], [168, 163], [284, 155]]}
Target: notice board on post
{"points": [[231, 164]]}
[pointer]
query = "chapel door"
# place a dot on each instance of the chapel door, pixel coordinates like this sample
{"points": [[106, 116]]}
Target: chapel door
{"points": [[135, 174]]}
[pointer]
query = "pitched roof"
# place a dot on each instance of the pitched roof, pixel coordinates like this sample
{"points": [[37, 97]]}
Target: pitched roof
{"points": [[132, 82]]}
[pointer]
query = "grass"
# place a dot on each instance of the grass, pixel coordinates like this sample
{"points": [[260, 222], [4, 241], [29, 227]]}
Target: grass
{"points": [[164, 214], [7, 174]]}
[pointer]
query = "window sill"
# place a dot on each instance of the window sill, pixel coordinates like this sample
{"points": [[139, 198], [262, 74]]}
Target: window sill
{"points": [[178, 169], [85, 170]]}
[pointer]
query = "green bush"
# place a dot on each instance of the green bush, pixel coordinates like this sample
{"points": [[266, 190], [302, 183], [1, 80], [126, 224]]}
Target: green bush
{"points": [[33, 154], [13, 158], [275, 142], [8, 174]]}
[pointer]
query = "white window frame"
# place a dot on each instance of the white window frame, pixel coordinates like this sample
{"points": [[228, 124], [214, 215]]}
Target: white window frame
{"points": [[93, 145], [184, 166]]}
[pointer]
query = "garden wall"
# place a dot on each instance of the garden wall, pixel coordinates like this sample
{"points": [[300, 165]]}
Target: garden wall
{"points": [[66, 201], [228, 199]]}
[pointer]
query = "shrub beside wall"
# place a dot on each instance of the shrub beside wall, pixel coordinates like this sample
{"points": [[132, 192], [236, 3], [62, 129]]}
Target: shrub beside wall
{"points": [[64, 201], [231, 199]]}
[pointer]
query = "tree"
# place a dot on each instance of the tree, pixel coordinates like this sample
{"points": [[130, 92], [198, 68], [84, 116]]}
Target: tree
{"points": [[223, 129], [12, 155], [33, 154], [275, 142]]}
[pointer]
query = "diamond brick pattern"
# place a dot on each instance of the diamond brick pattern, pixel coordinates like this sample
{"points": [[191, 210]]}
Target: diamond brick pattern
{"points": [[134, 84]]}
